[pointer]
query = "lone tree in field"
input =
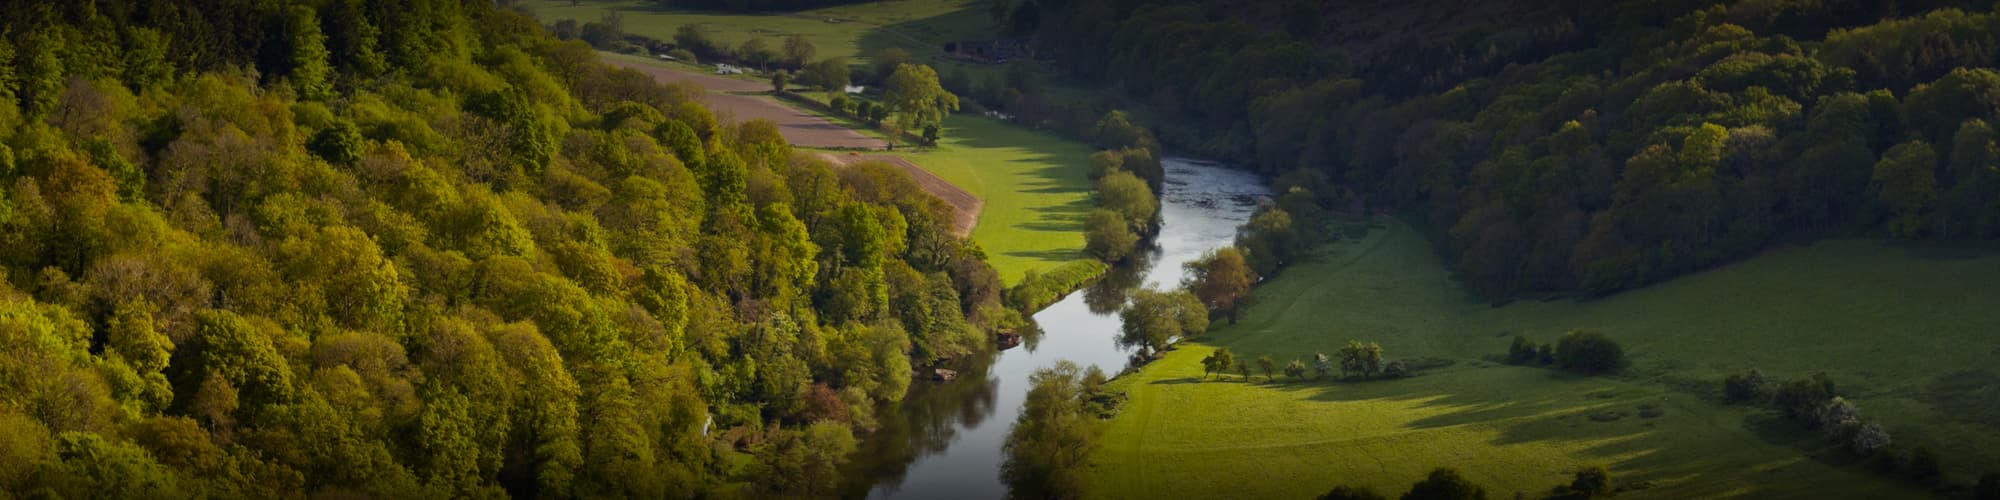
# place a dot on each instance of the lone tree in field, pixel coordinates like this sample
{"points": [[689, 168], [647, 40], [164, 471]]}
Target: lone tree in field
{"points": [[1269, 366], [1243, 369], [1222, 279], [1217, 362], [798, 51], [828, 74], [1591, 482], [1445, 484], [914, 95], [1322, 363], [1746, 388]]}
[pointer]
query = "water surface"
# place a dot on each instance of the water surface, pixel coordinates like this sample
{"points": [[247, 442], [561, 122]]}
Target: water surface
{"points": [[944, 440]]}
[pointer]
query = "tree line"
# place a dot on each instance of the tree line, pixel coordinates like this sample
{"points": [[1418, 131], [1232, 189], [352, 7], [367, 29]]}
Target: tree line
{"points": [[1585, 147], [425, 249]]}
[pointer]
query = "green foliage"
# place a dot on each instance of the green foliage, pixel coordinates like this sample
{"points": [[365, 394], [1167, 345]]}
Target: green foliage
{"points": [[1156, 318], [1589, 353], [914, 95], [1129, 197], [1222, 280], [339, 144], [1445, 484], [1345, 492], [1907, 183], [1050, 441], [311, 69], [1361, 359], [1591, 482], [1108, 237]]}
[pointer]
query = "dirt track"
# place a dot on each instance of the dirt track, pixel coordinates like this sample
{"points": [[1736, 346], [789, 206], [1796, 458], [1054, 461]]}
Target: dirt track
{"points": [[799, 127], [965, 206]]}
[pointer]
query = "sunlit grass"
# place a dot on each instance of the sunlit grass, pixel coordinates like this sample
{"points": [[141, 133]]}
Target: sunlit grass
{"points": [[1884, 321]]}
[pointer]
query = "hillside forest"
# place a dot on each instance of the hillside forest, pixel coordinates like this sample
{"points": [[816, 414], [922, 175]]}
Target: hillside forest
{"points": [[1567, 147], [422, 249]]}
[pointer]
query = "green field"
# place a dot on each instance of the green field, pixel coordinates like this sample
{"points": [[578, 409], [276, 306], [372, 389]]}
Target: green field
{"points": [[1036, 187], [855, 31], [1910, 334]]}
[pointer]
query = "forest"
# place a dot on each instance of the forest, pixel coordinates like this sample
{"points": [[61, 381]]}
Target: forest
{"points": [[422, 249], [1564, 147]]}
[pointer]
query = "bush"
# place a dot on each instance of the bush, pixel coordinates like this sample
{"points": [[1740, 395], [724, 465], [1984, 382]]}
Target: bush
{"points": [[1445, 484], [1924, 466], [1521, 352], [1351, 493], [1589, 353], [682, 54], [1591, 482], [1748, 387]]}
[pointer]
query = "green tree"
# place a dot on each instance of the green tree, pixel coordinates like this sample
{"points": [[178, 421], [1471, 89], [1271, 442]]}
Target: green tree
{"points": [[888, 60], [311, 69], [1295, 369], [1906, 182], [1107, 236], [1154, 318], [1124, 193], [1972, 205], [1591, 482], [915, 97], [778, 80], [798, 51], [830, 74], [1218, 361], [1445, 484], [1222, 280], [1589, 353], [1052, 438]]}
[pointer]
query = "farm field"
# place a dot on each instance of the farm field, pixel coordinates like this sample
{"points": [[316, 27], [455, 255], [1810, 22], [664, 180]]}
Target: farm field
{"points": [[855, 31], [1890, 324], [800, 127]]}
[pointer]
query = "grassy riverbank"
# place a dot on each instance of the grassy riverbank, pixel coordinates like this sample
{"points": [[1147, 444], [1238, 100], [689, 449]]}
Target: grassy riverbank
{"points": [[1890, 324]]}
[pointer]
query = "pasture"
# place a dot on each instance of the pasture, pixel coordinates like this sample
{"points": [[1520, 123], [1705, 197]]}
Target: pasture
{"points": [[1910, 334], [1035, 187]]}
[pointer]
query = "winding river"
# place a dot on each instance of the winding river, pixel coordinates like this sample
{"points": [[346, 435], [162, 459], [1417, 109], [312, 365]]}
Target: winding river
{"points": [[944, 440]]}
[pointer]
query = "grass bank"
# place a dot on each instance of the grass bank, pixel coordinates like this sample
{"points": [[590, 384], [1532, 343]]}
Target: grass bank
{"points": [[1908, 333]]}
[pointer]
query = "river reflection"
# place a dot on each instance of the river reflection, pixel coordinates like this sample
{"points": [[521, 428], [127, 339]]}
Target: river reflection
{"points": [[944, 440]]}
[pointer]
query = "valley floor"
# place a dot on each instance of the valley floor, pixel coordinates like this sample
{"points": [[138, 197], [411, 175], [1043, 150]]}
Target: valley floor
{"points": [[1911, 335]]}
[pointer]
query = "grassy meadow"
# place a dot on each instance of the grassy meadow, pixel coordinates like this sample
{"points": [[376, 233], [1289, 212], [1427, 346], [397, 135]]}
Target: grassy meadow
{"points": [[1908, 334], [1036, 187]]}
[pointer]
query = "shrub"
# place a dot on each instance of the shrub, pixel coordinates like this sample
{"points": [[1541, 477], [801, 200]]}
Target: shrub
{"points": [[1799, 398], [1351, 493], [1591, 482], [1445, 484], [1589, 353], [1924, 466], [682, 54], [1521, 352], [1748, 387]]}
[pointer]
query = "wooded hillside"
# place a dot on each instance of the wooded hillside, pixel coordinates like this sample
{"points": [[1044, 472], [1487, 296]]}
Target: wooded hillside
{"points": [[420, 249], [1577, 146]]}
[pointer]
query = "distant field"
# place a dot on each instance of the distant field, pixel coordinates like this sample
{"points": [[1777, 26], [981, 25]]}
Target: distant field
{"points": [[800, 127], [1911, 335], [857, 31]]}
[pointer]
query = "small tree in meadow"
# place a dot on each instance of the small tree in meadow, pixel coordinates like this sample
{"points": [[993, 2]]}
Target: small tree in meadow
{"points": [[1445, 483], [1217, 362], [1521, 352], [1268, 365], [1322, 363], [1589, 353], [1590, 482], [1243, 369], [1745, 388], [1295, 369], [779, 79]]}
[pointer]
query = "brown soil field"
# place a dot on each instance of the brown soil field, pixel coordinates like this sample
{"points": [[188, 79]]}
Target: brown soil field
{"points": [[798, 126], [965, 206]]}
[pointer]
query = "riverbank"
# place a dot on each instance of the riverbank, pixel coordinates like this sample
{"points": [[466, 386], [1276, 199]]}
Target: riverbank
{"points": [[1849, 308]]}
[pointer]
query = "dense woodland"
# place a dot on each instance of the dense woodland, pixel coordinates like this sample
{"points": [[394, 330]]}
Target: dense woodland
{"points": [[1564, 146], [421, 249]]}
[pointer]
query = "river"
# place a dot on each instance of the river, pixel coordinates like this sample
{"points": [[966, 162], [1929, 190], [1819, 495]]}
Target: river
{"points": [[944, 440]]}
